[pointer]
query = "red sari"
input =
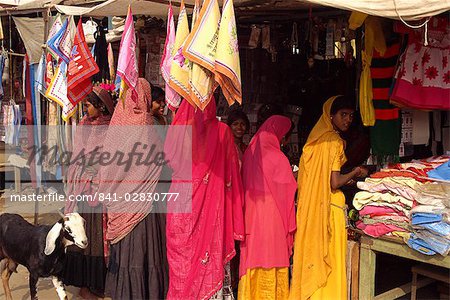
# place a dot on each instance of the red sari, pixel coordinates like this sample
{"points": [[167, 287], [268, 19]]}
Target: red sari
{"points": [[200, 242]]}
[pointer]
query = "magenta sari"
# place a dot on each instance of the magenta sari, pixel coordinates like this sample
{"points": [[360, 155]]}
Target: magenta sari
{"points": [[201, 242]]}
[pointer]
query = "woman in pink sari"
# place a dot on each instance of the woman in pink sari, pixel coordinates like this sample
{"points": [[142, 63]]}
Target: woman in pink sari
{"points": [[269, 210], [201, 230]]}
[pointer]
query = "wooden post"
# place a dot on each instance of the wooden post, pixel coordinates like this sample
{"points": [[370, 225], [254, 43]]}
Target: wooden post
{"points": [[366, 272], [355, 273]]}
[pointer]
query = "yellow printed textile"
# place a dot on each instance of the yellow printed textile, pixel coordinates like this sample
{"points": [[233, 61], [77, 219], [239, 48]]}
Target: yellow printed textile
{"points": [[57, 91], [269, 284], [179, 71], [227, 65], [200, 49]]}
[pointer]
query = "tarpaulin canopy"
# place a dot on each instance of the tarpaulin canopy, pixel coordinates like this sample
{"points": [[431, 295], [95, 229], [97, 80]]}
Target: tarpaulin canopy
{"points": [[117, 8], [393, 9], [31, 31]]}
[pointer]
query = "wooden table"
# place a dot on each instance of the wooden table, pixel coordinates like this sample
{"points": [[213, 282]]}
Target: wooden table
{"points": [[393, 246]]}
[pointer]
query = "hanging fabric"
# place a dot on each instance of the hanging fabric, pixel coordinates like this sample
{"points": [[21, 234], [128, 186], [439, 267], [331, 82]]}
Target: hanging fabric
{"points": [[101, 47], [81, 67], [227, 62], [173, 100], [57, 91], [373, 40], [385, 135], [127, 63], [179, 72], [66, 41], [31, 31], [56, 27], [423, 76], [200, 48]]}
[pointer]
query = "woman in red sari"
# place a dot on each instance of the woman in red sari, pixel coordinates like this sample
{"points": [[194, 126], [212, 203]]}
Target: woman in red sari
{"points": [[207, 217]]}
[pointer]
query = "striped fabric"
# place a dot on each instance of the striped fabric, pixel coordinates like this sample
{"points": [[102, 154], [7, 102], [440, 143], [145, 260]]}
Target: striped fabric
{"points": [[386, 134]]}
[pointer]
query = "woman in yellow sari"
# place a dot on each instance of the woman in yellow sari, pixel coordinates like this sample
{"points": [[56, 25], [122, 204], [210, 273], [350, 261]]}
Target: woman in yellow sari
{"points": [[321, 237]]}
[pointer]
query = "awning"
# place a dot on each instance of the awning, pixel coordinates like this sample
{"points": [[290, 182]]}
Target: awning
{"points": [[118, 8], [393, 9]]}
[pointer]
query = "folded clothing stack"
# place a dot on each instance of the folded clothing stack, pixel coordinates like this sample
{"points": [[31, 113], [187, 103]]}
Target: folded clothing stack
{"points": [[430, 219], [404, 201]]}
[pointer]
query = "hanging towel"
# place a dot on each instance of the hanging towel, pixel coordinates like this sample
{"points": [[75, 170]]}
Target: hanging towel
{"points": [[55, 40], [81, 67], [66, 42], [179, 71], [173, 100], [57, 91], [227, 65], [127, 62], [56, 27], [200, 48], [385, 135]]}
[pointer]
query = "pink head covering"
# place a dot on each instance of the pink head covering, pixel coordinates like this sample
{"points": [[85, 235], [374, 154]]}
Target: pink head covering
{"points": [[201, 242], [129, 130], [270, 188]]}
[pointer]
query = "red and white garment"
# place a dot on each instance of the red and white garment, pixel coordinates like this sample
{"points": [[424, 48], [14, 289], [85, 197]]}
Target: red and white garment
{"points": [[423, 75]]}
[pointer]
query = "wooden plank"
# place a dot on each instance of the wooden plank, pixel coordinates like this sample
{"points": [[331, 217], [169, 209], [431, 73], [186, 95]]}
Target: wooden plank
{"points": [[403, 290], [366, 273], [406, 252]]}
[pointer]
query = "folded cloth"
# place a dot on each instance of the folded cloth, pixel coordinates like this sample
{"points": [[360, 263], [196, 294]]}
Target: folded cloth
{"points": [[403, 225], [424, 218], [364, 197], [372, 211], [395, 206], [439, 244], [402, 186], [377, 230], [420, 245], [435, 194], [440, 228], [431, 209]]}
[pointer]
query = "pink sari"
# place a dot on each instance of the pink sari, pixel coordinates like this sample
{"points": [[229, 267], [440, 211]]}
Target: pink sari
{"points": [[200, 243], [269, 199]]}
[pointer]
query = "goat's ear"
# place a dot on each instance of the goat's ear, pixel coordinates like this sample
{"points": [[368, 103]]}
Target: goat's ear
{"points": [[50, 241]]}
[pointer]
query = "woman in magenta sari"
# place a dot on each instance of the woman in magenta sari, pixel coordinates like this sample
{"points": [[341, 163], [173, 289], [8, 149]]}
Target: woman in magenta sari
{"points": [[269, 186], [207, 217]]}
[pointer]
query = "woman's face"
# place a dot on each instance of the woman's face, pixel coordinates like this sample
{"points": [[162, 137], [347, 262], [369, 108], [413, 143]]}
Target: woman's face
{"points": [[90, 109], [238, 128], [342, 119], [158, 107]]}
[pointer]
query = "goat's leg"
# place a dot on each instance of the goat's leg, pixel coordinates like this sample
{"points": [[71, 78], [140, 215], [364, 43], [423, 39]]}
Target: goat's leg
{"points": [[60, 289], [33, 286], [6, 274]]}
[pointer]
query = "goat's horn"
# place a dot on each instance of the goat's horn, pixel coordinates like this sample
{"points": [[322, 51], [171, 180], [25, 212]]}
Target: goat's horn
{"points": [[60, 212]]}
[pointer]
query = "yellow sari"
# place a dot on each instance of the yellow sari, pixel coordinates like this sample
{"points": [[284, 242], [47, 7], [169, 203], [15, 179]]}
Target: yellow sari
{"points": [[321, 239]]}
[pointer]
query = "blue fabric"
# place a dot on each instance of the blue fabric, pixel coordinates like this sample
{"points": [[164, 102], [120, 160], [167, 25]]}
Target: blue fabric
{"points": [[53, 43], [424, 218], [441, 172], [420, 245], [441, 228]]}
